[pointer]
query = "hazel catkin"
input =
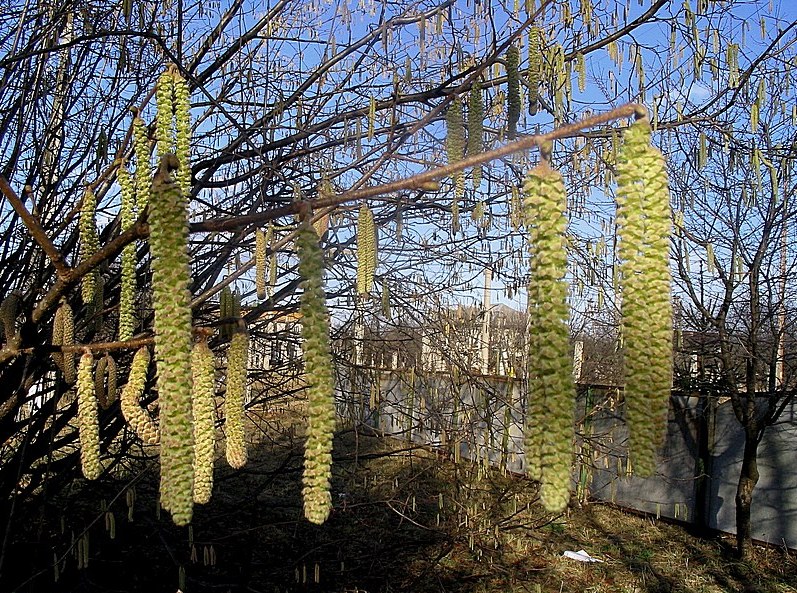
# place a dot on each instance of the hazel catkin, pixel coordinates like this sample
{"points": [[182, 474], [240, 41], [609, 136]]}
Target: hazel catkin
{"points": [[476, 128], [548, 442], [203, 381], [88, 421], [455, 149], [643, 220], [512, 90], [237, 358], [318, 372], [182, 125], [173, 342], [366, 250], [128, 281], [135, 415], [535, 68], [89, 244], [261, 253]]}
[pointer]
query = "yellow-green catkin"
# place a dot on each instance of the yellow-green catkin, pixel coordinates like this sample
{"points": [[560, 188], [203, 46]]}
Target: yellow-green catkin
{"points": [[58, 338], [99, 382], [182, 126], [643, 221], [371, 118], [135, 415], [111, 379], [512, 90], [581, 70], [89, 243], [128, 283], [64, 335], [164, 95], [366, 250], [534, 68], [476, 128], [88, 421], [68, 320], [320, 379], [9, 309], [548, 442], [171, 301], [105, 381], [455, 150], [143, 168], [225, 311], [237, 359], [97, 306], [261, 253], [203, 381], [229, 310]]}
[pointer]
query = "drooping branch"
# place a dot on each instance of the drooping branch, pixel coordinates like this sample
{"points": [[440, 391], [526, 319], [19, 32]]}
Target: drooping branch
{"points": [[35, 229]]}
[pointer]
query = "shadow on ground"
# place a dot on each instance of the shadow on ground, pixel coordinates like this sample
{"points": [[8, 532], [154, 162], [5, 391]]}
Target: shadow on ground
{"points": [[404, 520]]}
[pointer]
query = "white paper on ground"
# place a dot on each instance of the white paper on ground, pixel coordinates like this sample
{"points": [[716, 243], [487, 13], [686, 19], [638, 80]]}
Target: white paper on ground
{"points": [[581, 556]]}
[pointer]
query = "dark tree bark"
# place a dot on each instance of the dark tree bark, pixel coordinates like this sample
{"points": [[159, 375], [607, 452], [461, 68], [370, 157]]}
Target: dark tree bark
{"points": [[748, 478]]}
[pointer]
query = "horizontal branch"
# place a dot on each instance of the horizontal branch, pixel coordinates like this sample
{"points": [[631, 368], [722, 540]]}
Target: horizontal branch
{"points": [[421, 180]]}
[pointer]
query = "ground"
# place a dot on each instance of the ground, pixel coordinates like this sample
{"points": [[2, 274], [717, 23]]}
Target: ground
{"points": [[404, 520]]}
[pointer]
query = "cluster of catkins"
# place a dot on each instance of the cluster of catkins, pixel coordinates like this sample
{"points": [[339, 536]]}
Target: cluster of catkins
{"points": [[643, 220], [548, 442]]}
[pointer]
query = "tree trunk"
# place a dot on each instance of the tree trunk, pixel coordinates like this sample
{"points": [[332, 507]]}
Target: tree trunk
{"points": [[748, 478]]}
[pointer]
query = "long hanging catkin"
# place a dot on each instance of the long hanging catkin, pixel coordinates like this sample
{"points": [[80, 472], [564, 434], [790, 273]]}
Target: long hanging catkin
{"points": [[203, 380], [548, 442], [172, 304], [237, 356], [643, 221], [89, 244], [261, 252], [320, 379], [512, 90], [476, 128], [128, 287], [111, 377], [535, 68], [8, 319], [182, 138], [455, 150], [164, 117], [99, 382], [143, 169], [366, 250], [88, 421], [136, 416]]}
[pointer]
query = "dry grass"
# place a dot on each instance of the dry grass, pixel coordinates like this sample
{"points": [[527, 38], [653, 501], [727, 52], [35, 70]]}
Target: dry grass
{"points": [[404, 520]]}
